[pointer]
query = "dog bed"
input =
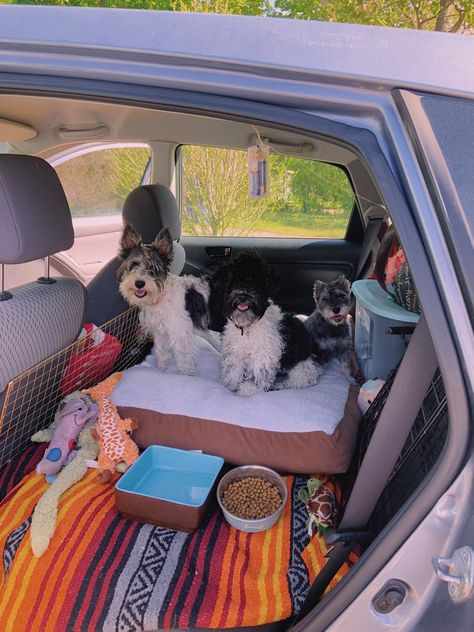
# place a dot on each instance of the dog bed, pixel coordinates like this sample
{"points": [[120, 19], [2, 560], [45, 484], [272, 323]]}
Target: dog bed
{"points": [[304, 430], [104, 573]]}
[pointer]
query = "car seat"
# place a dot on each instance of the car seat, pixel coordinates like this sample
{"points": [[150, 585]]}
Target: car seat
{"points": [[39, 318], [149, 208]]}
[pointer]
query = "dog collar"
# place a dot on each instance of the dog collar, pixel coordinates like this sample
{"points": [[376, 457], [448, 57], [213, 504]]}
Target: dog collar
{"points": [[240, 327]]}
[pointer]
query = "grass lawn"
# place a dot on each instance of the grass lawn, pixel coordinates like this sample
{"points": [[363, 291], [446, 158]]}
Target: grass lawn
{"points": [[290, 224]]}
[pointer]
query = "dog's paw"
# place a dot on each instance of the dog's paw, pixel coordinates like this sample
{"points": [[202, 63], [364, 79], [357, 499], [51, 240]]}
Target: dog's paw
{"points": [[346, 369], [247, 389], [186, 370]]}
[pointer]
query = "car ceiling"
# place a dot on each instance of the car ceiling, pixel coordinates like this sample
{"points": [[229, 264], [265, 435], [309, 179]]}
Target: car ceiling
{"points": [[124, 123], [54, 118]]}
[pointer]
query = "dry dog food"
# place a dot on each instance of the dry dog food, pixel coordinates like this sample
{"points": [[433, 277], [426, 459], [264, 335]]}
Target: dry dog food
{"points": [[251, 498]]}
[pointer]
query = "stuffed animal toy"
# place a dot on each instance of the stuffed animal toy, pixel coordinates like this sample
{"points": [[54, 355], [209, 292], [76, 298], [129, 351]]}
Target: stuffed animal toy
{"points": [[72, 415], [321, 506], [44, 519], [115, 445], [368, 392], [393, 265]]}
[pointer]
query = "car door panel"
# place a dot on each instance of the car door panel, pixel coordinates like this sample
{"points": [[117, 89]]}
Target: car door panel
{"points": [[298, 261], [96, 242]]}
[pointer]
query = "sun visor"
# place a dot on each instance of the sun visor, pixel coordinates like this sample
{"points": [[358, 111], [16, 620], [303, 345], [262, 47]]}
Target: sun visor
{"points": [[13, 132]]}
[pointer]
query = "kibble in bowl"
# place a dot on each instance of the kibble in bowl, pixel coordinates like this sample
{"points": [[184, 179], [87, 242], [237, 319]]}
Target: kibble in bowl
{"points": [[252, 497]]}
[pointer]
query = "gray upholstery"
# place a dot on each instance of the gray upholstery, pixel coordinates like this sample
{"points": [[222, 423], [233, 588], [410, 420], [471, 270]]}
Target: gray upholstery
{"points": [[37, 322], [35, 220], [148, 208]]}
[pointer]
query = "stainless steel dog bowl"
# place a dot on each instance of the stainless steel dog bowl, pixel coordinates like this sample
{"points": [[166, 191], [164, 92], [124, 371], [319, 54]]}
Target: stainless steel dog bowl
{"points": [[237, 474]]}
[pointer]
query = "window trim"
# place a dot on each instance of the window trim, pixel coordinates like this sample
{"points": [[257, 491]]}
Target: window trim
{"points": [[89, 148]]}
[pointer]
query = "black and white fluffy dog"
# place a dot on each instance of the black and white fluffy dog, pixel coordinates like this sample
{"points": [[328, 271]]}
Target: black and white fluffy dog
{"points": [[328, 325], [171, 307], [260, 343]]}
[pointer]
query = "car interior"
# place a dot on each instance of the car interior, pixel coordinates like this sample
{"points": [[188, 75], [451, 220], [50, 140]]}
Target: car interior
{"points": [[59, 261]]}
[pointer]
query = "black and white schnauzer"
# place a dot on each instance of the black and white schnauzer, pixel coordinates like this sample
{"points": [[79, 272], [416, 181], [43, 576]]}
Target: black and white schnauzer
{"points": [[263, 348], [328, 325], [172, 308]]}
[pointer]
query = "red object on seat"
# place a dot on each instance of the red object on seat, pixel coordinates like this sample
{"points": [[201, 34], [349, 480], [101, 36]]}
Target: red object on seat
{"points": [[93, 362]]}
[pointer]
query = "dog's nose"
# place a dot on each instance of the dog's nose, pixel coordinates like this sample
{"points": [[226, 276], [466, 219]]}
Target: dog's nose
{"points": [[139, 284], [336, 310]]}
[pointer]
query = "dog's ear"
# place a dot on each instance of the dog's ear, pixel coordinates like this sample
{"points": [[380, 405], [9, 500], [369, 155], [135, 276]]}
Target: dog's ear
{"points": [[163, 243], [220, 276], [343, 282], [130, 239], [273, 281], [317, 289]]}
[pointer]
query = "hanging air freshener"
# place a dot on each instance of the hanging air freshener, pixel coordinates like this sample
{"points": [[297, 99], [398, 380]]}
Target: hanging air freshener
{"points": [[258, 170]]}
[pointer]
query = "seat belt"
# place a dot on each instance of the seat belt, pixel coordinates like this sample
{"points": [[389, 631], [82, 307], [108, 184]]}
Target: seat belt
{"points": [[404, 400], [370, 235]]}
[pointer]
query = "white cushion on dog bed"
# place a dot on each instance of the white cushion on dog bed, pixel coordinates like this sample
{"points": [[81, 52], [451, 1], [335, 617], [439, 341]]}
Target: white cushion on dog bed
{"points": [[203, 396], [280, 416]]}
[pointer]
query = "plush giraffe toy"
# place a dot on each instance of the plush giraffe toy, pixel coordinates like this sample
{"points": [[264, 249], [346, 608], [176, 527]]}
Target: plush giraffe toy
{"points": [[115, 446]]}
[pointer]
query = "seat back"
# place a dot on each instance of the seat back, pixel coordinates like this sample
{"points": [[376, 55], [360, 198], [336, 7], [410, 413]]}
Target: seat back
{"points": [[148, 209], [37, 319]]}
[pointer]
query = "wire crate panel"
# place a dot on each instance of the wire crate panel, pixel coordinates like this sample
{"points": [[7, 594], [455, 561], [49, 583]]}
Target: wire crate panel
{"points": [[31, 399], [418, 456]]}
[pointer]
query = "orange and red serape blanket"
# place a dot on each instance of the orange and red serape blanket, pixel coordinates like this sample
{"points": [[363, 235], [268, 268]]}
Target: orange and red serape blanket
{"points": [[102, 572]]}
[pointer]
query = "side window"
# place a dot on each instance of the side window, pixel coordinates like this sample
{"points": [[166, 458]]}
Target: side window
{"points": [[307, 199], [97, 181]]}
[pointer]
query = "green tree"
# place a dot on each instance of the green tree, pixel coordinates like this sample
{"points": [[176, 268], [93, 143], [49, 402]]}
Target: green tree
{"points": [[163, 5], [440, 15], [216, 192], [240, 7], [97, 183], [317, 187], [235, 7]]}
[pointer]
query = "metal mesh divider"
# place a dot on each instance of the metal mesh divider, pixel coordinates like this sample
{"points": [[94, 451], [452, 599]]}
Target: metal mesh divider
{"points": [[419, 454], [31, 399]]}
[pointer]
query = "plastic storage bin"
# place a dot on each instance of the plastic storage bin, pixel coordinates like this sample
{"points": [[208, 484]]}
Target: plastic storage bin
{"points": [[168, 487], [377, 351]]}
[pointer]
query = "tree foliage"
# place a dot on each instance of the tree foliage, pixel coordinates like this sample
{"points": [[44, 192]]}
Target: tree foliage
{"points": [[216, 193], [317, 187], [439, 15], [455, 16], [240, 7], [160, 5], [98, 182], [216, 200]]}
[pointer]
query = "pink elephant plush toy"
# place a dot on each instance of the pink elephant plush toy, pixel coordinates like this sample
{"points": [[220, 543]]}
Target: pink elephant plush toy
{"points": [[73, 415]]}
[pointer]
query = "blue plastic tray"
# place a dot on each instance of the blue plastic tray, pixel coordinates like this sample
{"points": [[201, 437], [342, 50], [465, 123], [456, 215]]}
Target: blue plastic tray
{"points": [[172, 475], [373, 297]]}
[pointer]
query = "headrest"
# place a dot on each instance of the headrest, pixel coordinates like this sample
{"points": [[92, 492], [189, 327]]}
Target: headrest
{"points": [[35, 220], [150, 208]]}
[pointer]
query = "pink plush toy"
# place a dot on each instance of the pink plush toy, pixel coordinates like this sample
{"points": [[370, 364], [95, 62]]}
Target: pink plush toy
{"points": [[393, 266], [368, 392], [73, 414]]}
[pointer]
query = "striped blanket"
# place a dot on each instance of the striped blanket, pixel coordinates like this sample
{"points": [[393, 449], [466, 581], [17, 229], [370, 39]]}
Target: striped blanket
{"points": [[102, 572]]}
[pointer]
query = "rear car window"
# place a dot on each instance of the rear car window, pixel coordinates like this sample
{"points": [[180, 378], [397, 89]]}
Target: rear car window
{"points": [[97, 182], [307, 199]]}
